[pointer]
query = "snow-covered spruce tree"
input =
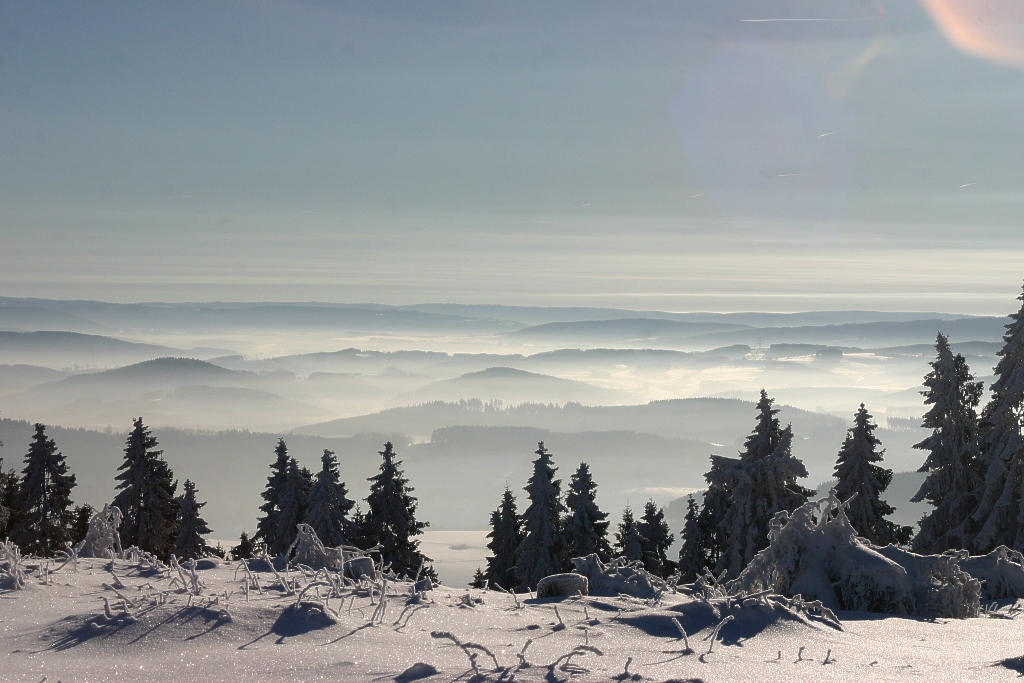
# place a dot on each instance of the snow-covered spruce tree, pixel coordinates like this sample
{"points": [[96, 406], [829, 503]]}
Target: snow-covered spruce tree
{"points": [[292, 506], [189, 543], [628, 541], [9, 506], [655, 537], [761, 482], [857, 473], [693, 553], [391, 519], [505, 536], [585, 527], [329, 504], [146, 494], [541, 553], [266, 526], [953, 448], [1000, 511], [45, 498]]}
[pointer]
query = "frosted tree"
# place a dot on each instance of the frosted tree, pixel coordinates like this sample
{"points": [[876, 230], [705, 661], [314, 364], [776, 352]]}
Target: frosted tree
{"points": [[145, 496], [585, 527], [693, 553], [391, 518], [292, 506], [761, 482], [656, 537], [266, 526], [628, 541], [45, 498], [1000, 510], [9, 506], [862, 479], [953, 448], [541, 553], [505, 536], [329, 505], [189, 543]]}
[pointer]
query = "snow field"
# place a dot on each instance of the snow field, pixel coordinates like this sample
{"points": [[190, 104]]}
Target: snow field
{"points": [[157, 631]]}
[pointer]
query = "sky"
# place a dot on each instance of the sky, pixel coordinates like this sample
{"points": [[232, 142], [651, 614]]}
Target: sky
{"points": [[700, 155]]}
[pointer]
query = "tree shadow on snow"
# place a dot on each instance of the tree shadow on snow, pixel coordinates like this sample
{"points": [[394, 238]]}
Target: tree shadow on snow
{"points": [[1013, 664]]}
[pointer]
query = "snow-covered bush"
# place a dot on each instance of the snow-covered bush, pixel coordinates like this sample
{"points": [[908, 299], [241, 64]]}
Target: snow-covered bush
{"points": [[12, 575], [619, 576], [815, 552], [102, 539]]}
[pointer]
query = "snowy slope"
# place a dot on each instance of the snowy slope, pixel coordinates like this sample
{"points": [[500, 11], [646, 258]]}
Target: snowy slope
{"points": [[59, 632]]}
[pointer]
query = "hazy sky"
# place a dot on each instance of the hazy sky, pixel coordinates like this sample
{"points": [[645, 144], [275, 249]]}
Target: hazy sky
{"points": [[671, 155]]}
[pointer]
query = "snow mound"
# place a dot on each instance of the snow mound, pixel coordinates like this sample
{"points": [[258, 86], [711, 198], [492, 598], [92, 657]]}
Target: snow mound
{"points": [[815, 552], [1001, 572]]}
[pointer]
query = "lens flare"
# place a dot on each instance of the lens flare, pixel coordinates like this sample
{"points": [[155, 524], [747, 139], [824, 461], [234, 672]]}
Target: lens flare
{"points": [[990, 29]]}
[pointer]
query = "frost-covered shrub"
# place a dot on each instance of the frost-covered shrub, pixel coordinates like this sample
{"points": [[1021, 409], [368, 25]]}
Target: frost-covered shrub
{"points": [[12, 575], [816, 553], [619, 576], [102, 539]]}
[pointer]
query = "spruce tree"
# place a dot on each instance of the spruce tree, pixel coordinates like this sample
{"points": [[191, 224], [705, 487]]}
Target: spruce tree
{"points": [[693, 553], [189, 543], [857, 473], [45, 498], [656, 537], [81, 515], [953, 448], [541, 553], [1000, 510], [585, 527], [9, 504], [292, 507], [146, 494], [505, 537], [762, 481], [245, 549], [628, 542], [266, 526], [391, 518], [329, 505], [479, 579]]}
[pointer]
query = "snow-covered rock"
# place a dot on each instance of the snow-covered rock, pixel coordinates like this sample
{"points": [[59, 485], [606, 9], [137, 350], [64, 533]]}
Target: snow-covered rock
{"points": [[562, 585]]}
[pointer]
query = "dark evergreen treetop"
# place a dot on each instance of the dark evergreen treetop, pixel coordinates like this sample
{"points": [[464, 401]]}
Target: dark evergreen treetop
{"points": [[329, 505], [541, 553], [761, 482], [390, 520], [628, 541], [585, 527], [245, 548], [505, 537], [45, 498], [860, 478], [266, 526], [953, 464], [292, 503], [693, 553], [146, 494], [1000, 511], [189, 543], [656, 537]]}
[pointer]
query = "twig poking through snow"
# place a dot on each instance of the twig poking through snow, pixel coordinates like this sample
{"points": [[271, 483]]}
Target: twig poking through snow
{"points": [[682, 633], [714, 634]]}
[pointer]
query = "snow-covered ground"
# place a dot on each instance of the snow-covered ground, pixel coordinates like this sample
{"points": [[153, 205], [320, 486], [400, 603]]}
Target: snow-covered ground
{"points": [[62, 632]]}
